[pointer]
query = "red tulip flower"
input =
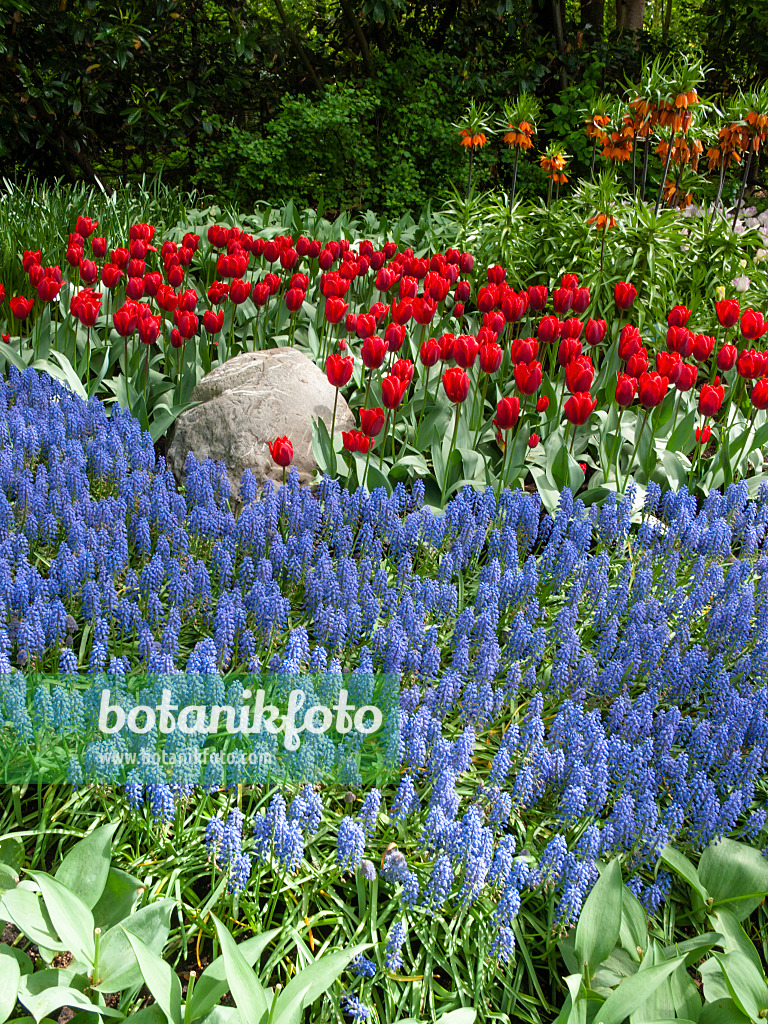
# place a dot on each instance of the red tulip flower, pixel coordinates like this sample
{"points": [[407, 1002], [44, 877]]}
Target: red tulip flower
{"points": [[338, 369], [110, 275], [213, 322], [2, 294], [462, 291], [429, 353], [392, 391], [629, 342], [579, 374], [703, 346], [528, 377], [687, 378], [572, 328], [373, 351], [456, 384], [85, 226], [750, 364], [403, 370], [678, 316], [99, 247], [753, 326], [21, 307], [638, 363], [188, 300], [703, 434], [490, 357], [125, 320], [726, 358], [569, 350], [187, 324], [423, 310], [595, 331], [507, 413], [549, 329], [624, 295], [372, 421], [669, 365], [524, 350], [562, 300], [365, 325], [569, 281], [402, 311], [218, 292], [356, 441], [728, 311], [514, 306], [281, 451], [487, 298], [74, 255], [579, 407], [149, 328], [465, 350], [294, 299], [533, 441], [48, 289], [581, 299], [167, 299], [89, 272], [626, 387], [543, 404], [759, 396], [651, 389], [680, 339], [134, 288], [537, 297], [239, 291], [710, 399]]}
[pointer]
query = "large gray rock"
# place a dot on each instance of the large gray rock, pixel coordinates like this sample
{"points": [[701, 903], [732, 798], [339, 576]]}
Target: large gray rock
{"points": [[248, 402]]}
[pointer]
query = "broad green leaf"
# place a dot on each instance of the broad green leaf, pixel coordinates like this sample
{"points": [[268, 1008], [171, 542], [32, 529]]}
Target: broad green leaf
{"points": [[159, 977], [64, 371], [291, 1012], [29, 914], [8, 878], [736, 875], [565, 470], [213, 983], [633, 933], [466, 1015], [684, 433], [12, 854], [683, 867], [48, 990], [118, 967], [633, 991], [71, 918], [10, 976], [574, 1010], [22, 959], [722, 1011], [85, 868], [246, 989], [734, 938], [319, 976], [597, 931], [117, 900], [746, 984]]}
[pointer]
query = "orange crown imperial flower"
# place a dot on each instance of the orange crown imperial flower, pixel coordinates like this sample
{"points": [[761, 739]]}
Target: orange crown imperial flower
{"points": [[472, 140]]}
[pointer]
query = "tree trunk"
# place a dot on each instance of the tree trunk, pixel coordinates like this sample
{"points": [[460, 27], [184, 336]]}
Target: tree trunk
{"points": [[362, 42], [294, 37], [630, 15], [593, 13], [557, 19]]}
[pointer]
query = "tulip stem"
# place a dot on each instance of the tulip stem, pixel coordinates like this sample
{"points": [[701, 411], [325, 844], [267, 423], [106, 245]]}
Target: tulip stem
{"points": [[573, 438], [664, 174], [423, 407], [634, 453], [383, 441], [450, 453], [367, 460], [482, 410], [367, 389], [743, 187], [618, 450]]}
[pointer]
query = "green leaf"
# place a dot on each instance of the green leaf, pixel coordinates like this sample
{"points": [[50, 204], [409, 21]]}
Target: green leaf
{"points": [[318, 976], [118, 967], [117, 900], [734, 938], [722, 1011], [163, 418], [22, 959], [465, 1015], [12, 854], [245, 987], [597, 931], [735, 874], [85, 868], [71, 918], [565, 470], [29, 914], [64, 372], [746, 984], [160, 978], [48, 990], [633, 991], [683, 434], [683, 867], [10, 976], [213, 981], [323, 448], [633, 934]]}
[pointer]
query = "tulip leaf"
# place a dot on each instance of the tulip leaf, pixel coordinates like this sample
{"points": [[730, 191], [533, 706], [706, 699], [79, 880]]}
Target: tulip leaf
{"points": [[10, 976], [85, 868], [746, 984], [599, 925], [684, 434], [244, 986], [71, 917], [159, 977], [736, 875]]}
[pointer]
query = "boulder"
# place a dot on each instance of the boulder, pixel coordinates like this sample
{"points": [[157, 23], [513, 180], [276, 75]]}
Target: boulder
{"points": [[248, 402]]}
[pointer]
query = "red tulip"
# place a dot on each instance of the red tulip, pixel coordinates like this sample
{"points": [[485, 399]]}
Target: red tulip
{"points": [[678, 316], [753, 326], [356, 441], [85, 226], [562, 300], [569, 350], [487, 298], [365, 325], [21, 307], [392, 391], [149, 328], [125, 320], [579, 407], [372, 421], [403, 370], [213, 322], [549, 329], [710, 399], [569, 281], [703, 346], [402, 311], [338, 369], [533, 441], [134, 288], [110, 274], [514, 306], [496, 274], [728, 311], [669, 365], [528, 377], [456, 384], [750, 364], [624, 295], [759, 396], [629, 342], [680, 339], [687, 378], [466, 262], [218, 292], [447, 344], [543, 404], [638, 363], [430, 352], [651, 389], [239, 291], [462, 291], [579, 374], [537, 297], [2, 294], [74, 255], [30, 258], [626, 387], [494, 321], [167, 299], [187, 323], [281, 451], [423, 310], [465, 350], [524, 350], [595, 331], [581, 299], [48, 289], [373, 351], [726, 357], [703, 434], [490, 357], [571, 328], [507, 413], [294, 299]]}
